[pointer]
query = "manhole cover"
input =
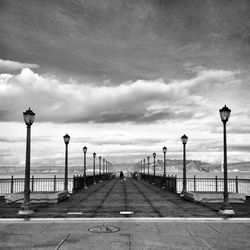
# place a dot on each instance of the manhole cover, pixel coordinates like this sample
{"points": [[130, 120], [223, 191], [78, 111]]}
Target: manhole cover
{"points": [[104, 229]]}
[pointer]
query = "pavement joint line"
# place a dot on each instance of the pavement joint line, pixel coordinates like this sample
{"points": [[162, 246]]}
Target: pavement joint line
{"points": [[62, 241], [121, 219]]}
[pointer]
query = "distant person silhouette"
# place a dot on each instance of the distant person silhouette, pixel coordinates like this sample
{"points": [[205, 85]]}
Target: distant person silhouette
{"points": [[121, 177]]}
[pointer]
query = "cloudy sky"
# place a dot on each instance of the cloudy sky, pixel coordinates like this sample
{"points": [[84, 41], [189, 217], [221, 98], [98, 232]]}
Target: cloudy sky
{"points": [[124, 78]]}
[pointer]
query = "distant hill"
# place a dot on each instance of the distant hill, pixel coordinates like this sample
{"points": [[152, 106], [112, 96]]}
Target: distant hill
{"points": [[172, 166], [239, 166], [199, 166]]}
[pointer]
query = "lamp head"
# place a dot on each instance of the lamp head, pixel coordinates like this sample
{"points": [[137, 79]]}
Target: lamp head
{"points": [[164, 150], [154, 155], [29, 117], [225, 113], [148, 158], [94, 154], [66, 139], [184, 139], [84, 149]]}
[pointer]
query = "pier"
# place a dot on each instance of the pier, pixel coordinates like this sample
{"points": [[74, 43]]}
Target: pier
{"points": [[133, 215]]}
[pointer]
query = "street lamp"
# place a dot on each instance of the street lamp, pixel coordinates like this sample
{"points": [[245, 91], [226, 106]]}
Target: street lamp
{"points": [[141, 166], [29, 117], [154, 155], [84, 177], [144, 160], [164, 173], [94, 155], [103, 168], [66, 139], [100, 168], [184, 140], [148, 168], [225, 207]]}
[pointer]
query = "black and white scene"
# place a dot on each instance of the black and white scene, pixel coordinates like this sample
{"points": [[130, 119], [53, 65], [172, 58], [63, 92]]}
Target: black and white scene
{"points": [[124, 124]]}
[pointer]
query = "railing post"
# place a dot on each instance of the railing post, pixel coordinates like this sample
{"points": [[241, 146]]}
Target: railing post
{"points": [[175, 183], [194, 183], [236, 185], [12, 184], [32, 183], [216, 183], [54, 182], [73, 186]]}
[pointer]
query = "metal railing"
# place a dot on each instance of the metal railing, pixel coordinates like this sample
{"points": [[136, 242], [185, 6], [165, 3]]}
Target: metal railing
{"points": [[235, 185], [15, 185], [174, 184], [169, 183], [78, 181]]}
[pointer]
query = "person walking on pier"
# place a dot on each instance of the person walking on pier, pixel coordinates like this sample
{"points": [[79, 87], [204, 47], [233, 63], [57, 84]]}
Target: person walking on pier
{"points": [[121, 177]]}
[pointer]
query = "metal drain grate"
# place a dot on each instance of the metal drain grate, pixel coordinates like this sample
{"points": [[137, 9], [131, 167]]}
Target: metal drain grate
{"points": [[104, 229]]}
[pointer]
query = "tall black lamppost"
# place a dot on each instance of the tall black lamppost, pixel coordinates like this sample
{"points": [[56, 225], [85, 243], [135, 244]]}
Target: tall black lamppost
{"points": [[84, 176], [100, 168], [184, 140], [144, 160], [94, 155], [164, 173], [154, 155], [103, 168], [29, 117], [148, 167], [141, 166], [66, 139], [225, 207]]}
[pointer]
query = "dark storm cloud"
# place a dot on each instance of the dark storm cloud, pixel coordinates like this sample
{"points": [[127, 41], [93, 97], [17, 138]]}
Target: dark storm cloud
{"points": [[126, 40]]}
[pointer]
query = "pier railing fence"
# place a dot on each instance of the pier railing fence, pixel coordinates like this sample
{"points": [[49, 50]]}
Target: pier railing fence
{"points": [[15, 185], [174, 184]]}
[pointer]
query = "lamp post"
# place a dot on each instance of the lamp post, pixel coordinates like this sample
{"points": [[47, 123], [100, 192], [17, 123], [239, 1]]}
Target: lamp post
{"points": [[154, 155], [144, 160], [103, 168], [84, 177], [164, 173], [29, 117], [66, 139], [184, 140], [148, 167], [225, 207], [141, 166], [94, 155], [100, 168]]}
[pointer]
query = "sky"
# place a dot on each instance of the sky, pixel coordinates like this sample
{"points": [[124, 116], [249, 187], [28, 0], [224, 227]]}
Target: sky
{"points": [[124, 78]]}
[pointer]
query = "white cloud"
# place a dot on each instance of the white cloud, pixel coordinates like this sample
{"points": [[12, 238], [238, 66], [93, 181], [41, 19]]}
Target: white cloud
{"points": [[8, 66], [151, 114], [140, 101]]}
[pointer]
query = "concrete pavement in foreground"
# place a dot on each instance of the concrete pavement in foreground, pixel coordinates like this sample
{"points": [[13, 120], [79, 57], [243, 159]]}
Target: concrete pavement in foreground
{"points": [[160, 220], [132, 234]]}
